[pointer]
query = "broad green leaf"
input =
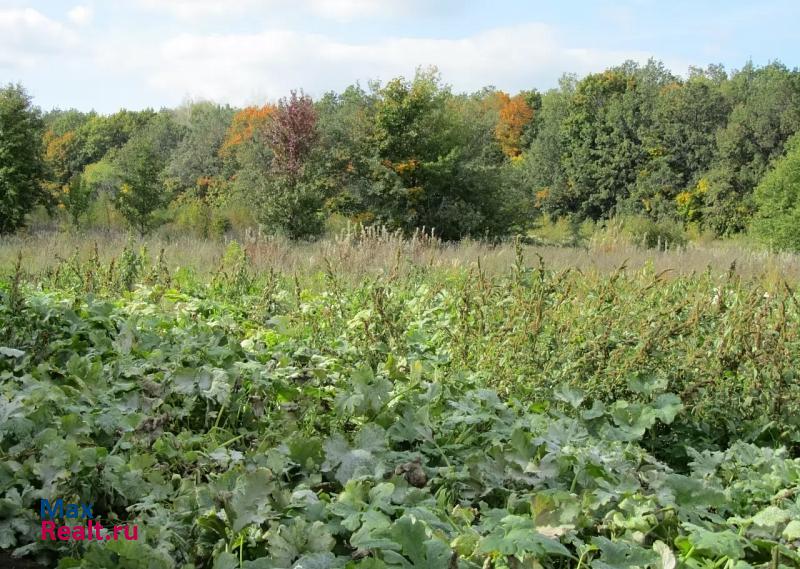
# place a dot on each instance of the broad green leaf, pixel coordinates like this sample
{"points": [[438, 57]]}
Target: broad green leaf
{"points": [[572, 396], [250, 502], [771, 517], [517, 535], [792, 530], [11, 352], [647, 384], [289, 543], [226, 560], [717, 543], [622, 554], [667, 560], [363, 459], [667, 407]]}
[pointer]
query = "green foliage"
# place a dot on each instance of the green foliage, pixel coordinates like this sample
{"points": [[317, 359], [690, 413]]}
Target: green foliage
{"points": [[623, 421], [542, 168], [103, 214], [413, 156], [140, 165], [766, 112], [777, 197], [636, 139], [196, 160], [99, 177], [101, 135], [21, 166], [194, 216], [651, 234], [77, 197], [434, 163], [681, 142], [608, 117]]}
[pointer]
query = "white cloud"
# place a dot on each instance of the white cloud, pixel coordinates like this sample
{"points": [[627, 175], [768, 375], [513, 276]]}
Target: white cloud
{"points": [[26, 36], [347, 10], [242, 68], [339, 10], [196, 9], [80, 15]]}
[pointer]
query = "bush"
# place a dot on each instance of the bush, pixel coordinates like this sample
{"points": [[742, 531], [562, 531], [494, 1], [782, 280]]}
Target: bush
{"points": [[236, 214], [192, 216], [102, 214], [640, 232], [651, 234], [561, 232]]}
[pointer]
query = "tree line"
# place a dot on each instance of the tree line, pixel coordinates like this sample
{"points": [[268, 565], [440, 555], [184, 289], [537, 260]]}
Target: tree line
{"points": [[715, 149]]}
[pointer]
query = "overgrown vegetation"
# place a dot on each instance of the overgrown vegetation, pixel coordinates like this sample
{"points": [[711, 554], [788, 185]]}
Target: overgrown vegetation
{"points": [[331, 354], [428, 417]]}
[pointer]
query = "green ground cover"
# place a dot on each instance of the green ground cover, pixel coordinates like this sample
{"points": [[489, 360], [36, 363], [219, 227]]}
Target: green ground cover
{"points": [[420, 419]]}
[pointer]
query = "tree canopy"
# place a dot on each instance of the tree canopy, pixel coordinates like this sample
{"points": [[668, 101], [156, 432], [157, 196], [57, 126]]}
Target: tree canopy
{"points": [[411, 154], [21, 162]]}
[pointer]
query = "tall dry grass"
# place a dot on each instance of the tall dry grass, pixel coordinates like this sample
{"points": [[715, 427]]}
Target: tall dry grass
{"points": [[364, 251]]}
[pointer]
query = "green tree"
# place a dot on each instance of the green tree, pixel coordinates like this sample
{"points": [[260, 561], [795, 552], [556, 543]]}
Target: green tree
{"points": [[73, 141], [608, 118], [412, 140], [140, 166], [680, 142], [63, 146], [434, 162], [347, 139], [76, 197], [602, 151], [766, 112], [101, 135], [60, 121], [21, 163], [542, 170], [99, 182], [777, 198], [197, 158]]}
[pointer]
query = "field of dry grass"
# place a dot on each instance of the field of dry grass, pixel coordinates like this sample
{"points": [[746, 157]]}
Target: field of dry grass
{"points": [[370, 251]]}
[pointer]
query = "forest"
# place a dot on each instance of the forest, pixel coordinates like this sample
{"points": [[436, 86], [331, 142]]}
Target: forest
{"points": [[715, 152]]}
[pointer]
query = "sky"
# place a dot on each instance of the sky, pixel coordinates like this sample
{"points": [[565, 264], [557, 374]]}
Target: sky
{"points": [[111, 54]]}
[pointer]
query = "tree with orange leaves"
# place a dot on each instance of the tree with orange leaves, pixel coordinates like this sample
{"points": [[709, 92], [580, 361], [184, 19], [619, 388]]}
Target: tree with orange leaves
{"points": [[514, 116], [245, 126]]}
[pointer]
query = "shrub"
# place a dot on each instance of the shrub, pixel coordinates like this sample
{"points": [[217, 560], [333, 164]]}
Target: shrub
{"points": [[651, 234], [641, 232]]}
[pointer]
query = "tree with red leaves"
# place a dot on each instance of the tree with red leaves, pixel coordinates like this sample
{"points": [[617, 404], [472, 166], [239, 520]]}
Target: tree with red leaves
{"points": [[294, 195], [291, 134]]}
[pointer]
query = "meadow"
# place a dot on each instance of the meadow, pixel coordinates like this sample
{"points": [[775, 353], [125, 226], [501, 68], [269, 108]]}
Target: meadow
{"points": [[371, 401]]}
